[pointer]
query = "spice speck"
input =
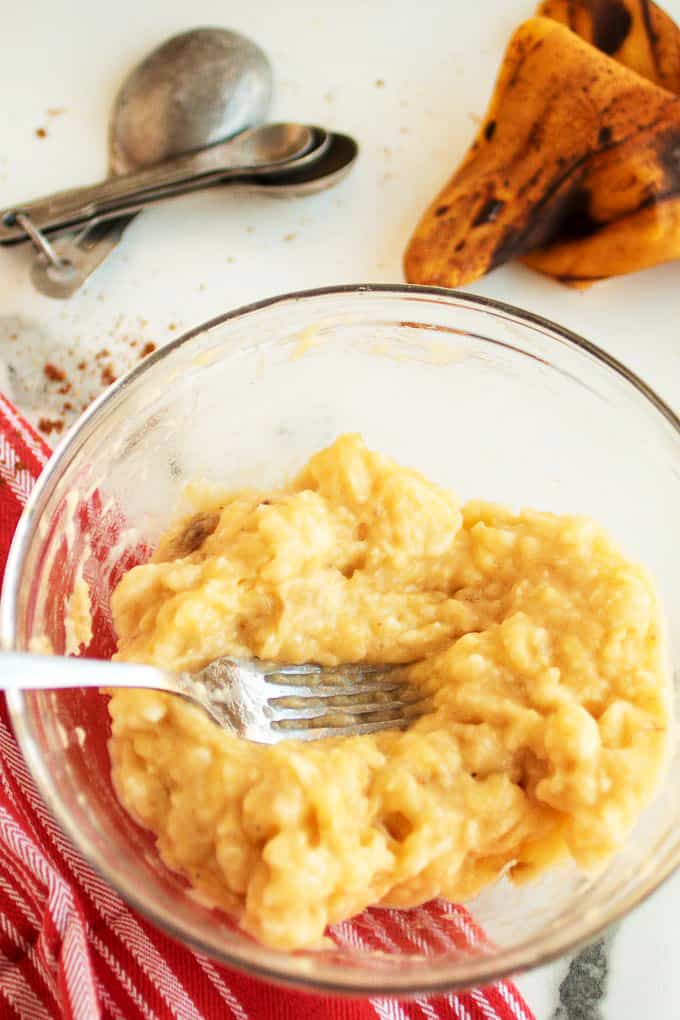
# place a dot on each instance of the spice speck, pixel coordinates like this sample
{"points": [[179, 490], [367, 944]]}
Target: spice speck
{"points": [[108, 375], [49, 425], [53, 373]]}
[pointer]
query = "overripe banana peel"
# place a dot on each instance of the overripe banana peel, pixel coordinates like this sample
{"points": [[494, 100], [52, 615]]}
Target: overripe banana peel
{"points": [[637, 33], [576, 168]]}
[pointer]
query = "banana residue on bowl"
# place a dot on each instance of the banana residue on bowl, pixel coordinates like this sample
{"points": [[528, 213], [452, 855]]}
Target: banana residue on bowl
{"points": [[538, 642]]}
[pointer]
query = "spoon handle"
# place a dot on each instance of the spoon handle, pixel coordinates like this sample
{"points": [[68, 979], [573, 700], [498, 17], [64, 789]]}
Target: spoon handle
{"points": [[23, 671], [271, 145], [79, 254]]}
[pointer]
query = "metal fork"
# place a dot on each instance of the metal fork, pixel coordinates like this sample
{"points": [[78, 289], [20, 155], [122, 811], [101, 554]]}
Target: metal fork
{"points": [[265, 702]]}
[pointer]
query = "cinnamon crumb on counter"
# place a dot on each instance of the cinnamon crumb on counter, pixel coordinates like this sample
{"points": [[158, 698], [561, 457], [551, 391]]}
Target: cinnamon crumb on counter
{"points": [[49, 425], [108, 375], [53, 373]]}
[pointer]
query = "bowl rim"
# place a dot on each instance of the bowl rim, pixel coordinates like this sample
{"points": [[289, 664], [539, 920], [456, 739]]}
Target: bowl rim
{"points": [[327, 978]]}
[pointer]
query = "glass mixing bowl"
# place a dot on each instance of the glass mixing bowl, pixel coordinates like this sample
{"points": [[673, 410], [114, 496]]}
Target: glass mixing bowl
{"points": [[481, 397]]}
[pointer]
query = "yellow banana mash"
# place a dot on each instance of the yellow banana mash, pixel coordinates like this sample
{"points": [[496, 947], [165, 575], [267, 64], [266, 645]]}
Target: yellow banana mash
{"points": [[538, 641]]}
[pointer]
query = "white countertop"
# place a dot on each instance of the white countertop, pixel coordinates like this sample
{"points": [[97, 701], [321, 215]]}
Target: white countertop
{"points": [[410, 81]]}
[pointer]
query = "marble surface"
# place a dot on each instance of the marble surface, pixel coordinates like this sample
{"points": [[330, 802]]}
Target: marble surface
{"points": [[411, 82]]}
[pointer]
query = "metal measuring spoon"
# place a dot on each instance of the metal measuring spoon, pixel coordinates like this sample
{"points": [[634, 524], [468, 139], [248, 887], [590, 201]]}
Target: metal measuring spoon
{"points": [[258, 151], [197, 88], [311, 161], [309, 177], [325, 163]]}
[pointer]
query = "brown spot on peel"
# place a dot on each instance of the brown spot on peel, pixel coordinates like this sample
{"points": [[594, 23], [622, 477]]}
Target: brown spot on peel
{"points": [[489, 212], [611, 24]]}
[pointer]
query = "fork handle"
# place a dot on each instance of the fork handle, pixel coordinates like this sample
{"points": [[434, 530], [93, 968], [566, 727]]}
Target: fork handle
{"points": [[24, 671]]}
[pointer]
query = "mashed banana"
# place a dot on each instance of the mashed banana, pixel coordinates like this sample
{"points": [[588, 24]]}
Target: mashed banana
{"points": [[538, 642]]}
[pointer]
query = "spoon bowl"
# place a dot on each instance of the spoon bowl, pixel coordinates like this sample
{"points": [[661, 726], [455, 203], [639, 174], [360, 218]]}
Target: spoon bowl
{"points": [[308, 178], [197, 88]]}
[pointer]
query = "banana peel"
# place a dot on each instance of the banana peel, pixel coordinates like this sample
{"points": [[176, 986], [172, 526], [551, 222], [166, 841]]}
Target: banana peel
{"points": [[637, 33], [630, 212], [637, 242], [576, 169]]}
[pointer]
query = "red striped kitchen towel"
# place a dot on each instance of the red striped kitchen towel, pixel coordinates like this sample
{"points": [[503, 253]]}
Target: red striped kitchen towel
{"points": [[69, 945]]}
